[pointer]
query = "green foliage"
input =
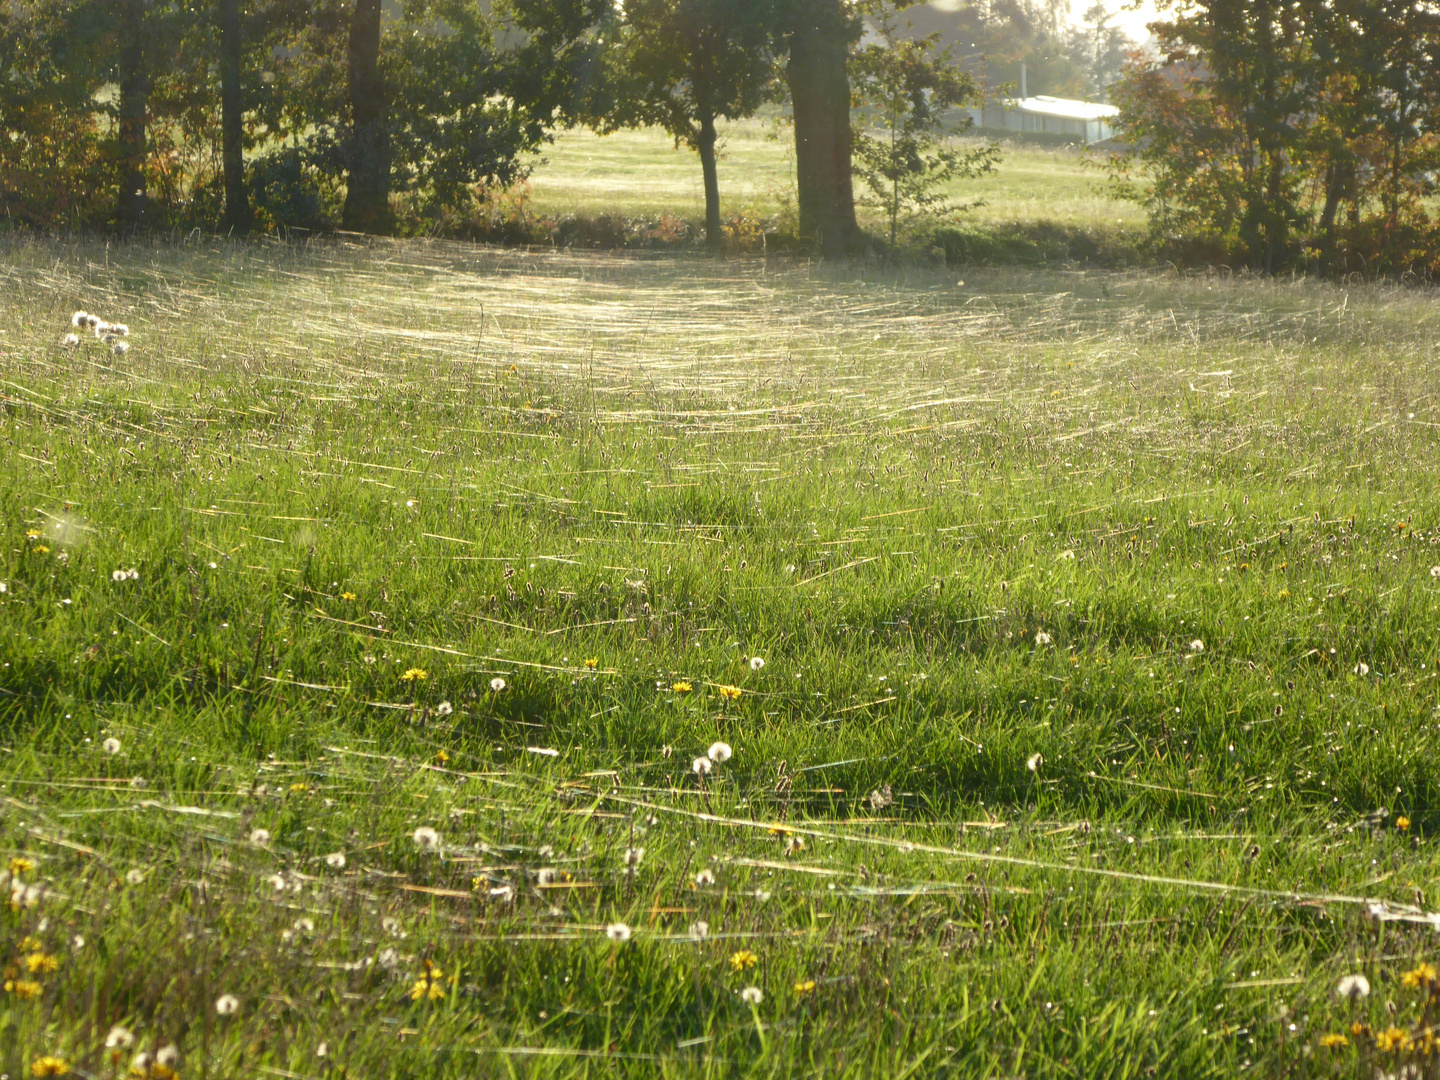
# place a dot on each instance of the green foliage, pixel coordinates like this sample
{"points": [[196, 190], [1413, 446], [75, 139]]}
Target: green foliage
{"points": [[907, 90]]}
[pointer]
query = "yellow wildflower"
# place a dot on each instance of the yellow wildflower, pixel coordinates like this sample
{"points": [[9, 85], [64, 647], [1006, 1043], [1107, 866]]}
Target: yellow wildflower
{"points": [[743, 959], [19, 864], [1334, 1042], [808, 985], [1402, 823], [49, 1066], [347, 596], [1392, 1038], [442, 758], [1423, 975], [32, 534], [30, 943], [414, 674], [24, 989], [730, 693], [40, 549], [1357, 1029], [681, 687], [593, 662], [42, 962], [161, 1071]]}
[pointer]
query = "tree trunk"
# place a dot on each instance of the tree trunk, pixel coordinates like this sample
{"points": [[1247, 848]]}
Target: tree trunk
{"points": [[232, 111], [714, 238], [367, 198], [130, 210], [820, 97]]}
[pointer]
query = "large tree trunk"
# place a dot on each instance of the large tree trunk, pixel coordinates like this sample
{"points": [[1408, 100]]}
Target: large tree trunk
{"points": [[367, 198], [820, 97], [705, 144], [232, 109], [130, 210]]}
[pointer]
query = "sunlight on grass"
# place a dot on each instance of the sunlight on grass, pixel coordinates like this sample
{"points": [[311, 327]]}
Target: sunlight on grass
{"points": [[424, 658]]}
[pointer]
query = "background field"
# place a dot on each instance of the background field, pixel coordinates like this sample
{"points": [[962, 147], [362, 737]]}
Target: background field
{"points": [[1173, 536], [641, 174]]}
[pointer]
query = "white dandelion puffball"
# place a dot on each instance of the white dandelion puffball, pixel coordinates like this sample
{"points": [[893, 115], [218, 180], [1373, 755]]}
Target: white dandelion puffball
{"points": [[119, 1037], [167, 1055], [389, 959], [1042, 638], [119, 328], [427, 838], [701, 766], [226, 1004], [719, 751], [138, 782], [119, 575], [444, 709], [704, 878], [276, 882], [1034, 761], [304, 926], [111, 745], [1435, 571], [70, 341], [140, 1064], [1197, 646], [756, 663], [80, 318], [752, 995], [497, 684], [335, 860], [260, 837], [323, 1050], [1362, 669], [1353, 987], [120, 348], [100, 326], [700, 930], [617, 931], [634, 855], [135, 877]]}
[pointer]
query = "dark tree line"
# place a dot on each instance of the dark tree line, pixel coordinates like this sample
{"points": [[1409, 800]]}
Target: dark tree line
{"points": [[1276, 133], [140, 114]]}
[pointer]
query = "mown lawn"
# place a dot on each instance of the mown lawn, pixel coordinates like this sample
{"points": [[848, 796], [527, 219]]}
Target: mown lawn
{"points": [[367, 627]]}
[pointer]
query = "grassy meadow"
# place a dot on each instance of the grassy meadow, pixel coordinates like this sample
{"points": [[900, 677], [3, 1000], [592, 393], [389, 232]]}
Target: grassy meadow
{"points": [[369, 627], [640, 173]]}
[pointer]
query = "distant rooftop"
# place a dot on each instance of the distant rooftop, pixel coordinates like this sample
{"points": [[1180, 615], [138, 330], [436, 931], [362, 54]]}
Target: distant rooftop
{"points": [[1065, 108]]}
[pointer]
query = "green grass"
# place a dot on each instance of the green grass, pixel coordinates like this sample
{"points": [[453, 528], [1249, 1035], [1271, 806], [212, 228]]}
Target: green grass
{"points": [[641, 174], [962, 526]]}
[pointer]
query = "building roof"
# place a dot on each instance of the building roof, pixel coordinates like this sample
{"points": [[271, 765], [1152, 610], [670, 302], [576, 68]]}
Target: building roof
{"points": [[1065, 108]]}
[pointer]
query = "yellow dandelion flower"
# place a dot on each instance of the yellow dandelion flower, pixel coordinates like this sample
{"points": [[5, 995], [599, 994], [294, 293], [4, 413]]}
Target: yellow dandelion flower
{"points": [[40, 549], [414, 674], [24, 989], [19, 864], [743, 959], [348, 596], [1283, 594], [49, 1066], [32, 534], [1334, 1041], [42, 962], [593, 662], [1423, 975], [30, 943], [442, 758], [1357, 1029], [1392, 1038], [419, 990], [805, 987], [681, 687], [436, 991], [1402, 823], [730, 693], [161, 1071]]}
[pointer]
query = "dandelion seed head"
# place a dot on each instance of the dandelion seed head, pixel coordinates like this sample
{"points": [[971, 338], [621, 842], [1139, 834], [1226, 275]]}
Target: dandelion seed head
{"points": [[1197, 646], [634, 855], [260, 837], [427, 838], [1435, 571], [226, 1004], [699, 930], [1034, 761], [80, 318], [705, 878], [119, 328], [167, 1055], [1042, 638], [389, 959], [111, 745], [444, 709], [391, 926], [1353, 987], [756, 663], [752, 995], [335, 860], [618, 931], [119, 1037], [135, 876], [70, 341], [323, 1050], [1362, 669], [497, 684], [276, 882], [120, 348], [701, 766], [719, 752]]}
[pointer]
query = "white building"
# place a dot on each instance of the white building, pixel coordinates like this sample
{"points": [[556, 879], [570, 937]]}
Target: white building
{"points": [[1080, 120]]}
